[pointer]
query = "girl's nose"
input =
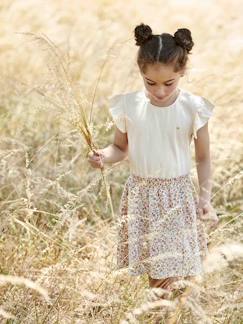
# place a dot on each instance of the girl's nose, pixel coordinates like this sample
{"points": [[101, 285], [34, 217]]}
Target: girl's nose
{"points": [[160, 91], [160, 94]]}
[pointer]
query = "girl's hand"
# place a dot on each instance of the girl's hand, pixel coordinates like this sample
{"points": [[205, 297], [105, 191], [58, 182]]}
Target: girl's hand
{"points": [[207, 213], [96, 160]]}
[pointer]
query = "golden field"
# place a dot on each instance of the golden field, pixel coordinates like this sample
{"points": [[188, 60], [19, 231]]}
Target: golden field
{"points": [[57, 231]]}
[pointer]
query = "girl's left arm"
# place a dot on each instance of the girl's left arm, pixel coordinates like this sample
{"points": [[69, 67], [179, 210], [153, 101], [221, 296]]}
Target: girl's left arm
{"points": [[203, 163], [203, 160]]}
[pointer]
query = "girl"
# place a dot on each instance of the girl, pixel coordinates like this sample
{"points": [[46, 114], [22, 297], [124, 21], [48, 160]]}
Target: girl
{"points": [[160, 229]]}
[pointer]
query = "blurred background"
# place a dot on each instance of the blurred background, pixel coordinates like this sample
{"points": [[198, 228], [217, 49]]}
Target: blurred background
{"points": [[56, 226]]}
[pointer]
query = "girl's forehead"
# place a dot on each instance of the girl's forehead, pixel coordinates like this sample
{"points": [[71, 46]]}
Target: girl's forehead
{"points": [[160, 72]]}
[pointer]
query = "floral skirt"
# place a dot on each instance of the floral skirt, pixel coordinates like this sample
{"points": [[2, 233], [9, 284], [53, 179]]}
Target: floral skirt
{"points": [[159, 231]]}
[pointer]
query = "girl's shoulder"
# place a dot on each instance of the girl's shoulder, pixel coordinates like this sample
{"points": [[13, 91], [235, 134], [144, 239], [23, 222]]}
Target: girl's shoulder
{"points": [[122, 108], [196, 103], [126, 102], [200, 108]]}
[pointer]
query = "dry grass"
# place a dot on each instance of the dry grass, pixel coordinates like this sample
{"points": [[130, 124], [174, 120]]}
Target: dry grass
{"points": [[57, 231]]}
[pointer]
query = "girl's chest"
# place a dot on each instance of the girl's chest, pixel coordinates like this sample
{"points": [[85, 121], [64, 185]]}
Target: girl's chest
{"points": [[159, 125]]}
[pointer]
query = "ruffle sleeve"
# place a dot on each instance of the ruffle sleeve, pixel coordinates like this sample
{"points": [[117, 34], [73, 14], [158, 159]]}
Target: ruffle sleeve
{"points": [[204, 110], [117, 111]]}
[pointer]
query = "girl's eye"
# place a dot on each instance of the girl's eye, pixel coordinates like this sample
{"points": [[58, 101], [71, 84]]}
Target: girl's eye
{"points": [[154, 84]]}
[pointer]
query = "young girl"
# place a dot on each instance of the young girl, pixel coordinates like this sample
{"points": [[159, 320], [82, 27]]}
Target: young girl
{"points": [[160, 225]]}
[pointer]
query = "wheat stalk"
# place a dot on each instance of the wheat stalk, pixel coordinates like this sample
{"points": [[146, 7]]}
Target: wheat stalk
{"points": [[71, 104]]}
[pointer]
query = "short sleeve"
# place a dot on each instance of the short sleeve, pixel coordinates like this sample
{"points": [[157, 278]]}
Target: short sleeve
{"points": [[204, 110], [117, 111]]}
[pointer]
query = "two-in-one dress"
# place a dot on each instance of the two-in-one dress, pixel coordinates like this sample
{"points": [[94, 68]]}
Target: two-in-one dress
{"points": [[158, 228]]}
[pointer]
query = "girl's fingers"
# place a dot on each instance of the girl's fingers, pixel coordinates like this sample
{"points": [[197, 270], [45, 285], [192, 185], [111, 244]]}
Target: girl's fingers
{"points": [[214, 225], [96, 164], [96, 157]]}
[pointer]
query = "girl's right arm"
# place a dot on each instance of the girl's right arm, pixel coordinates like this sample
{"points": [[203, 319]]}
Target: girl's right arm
{"points": [[114, 152]]}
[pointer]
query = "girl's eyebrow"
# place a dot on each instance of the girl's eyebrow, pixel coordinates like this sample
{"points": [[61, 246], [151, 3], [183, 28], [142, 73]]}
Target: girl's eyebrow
{"points": [[154, 81]]}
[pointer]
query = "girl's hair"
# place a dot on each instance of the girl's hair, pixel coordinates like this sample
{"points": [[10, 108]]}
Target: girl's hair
{"points": [[163, 48]]}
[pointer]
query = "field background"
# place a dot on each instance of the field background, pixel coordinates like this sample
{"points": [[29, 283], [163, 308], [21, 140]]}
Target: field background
{"points": [[57, 233]]}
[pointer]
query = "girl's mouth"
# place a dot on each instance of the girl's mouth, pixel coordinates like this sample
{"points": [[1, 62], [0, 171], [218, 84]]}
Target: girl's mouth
{"points": [[160, 98]]}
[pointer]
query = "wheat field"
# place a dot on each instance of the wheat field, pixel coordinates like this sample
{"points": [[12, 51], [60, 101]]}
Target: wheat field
{"points": [[58, 224]]}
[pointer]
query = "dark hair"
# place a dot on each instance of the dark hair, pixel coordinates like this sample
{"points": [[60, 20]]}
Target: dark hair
{"points": [[164, 48]]}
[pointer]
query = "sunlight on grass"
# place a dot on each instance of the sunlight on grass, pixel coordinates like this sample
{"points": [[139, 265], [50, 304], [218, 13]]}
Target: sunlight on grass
{"points": [[58, 233]]}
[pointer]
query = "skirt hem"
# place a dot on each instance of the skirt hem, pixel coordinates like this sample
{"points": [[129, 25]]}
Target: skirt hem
{"points": [[166, 276]]}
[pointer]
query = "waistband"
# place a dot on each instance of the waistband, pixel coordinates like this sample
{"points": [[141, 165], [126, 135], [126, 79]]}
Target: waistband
{"points": [[159, 180]]}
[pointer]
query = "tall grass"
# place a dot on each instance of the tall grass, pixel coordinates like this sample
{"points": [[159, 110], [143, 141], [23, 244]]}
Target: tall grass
{"points": [[57, 229]]}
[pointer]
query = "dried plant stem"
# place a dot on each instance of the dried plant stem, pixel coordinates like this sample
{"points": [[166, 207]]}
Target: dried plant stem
{"points": [[173, 317], [71, 104]]}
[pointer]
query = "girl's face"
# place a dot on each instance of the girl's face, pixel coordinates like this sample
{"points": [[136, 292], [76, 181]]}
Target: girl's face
{"points": [[161, 82]]}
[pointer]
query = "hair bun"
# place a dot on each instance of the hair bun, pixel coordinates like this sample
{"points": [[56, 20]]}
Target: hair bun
{"points": [[183, 38], [142, 34]]}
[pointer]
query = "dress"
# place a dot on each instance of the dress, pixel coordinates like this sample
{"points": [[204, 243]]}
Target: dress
{"points": [[158, 228]]}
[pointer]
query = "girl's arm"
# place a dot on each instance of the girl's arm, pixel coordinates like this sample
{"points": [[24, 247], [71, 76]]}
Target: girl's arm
{"points": [[203, 163], [114, 152], [118, 150]]}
